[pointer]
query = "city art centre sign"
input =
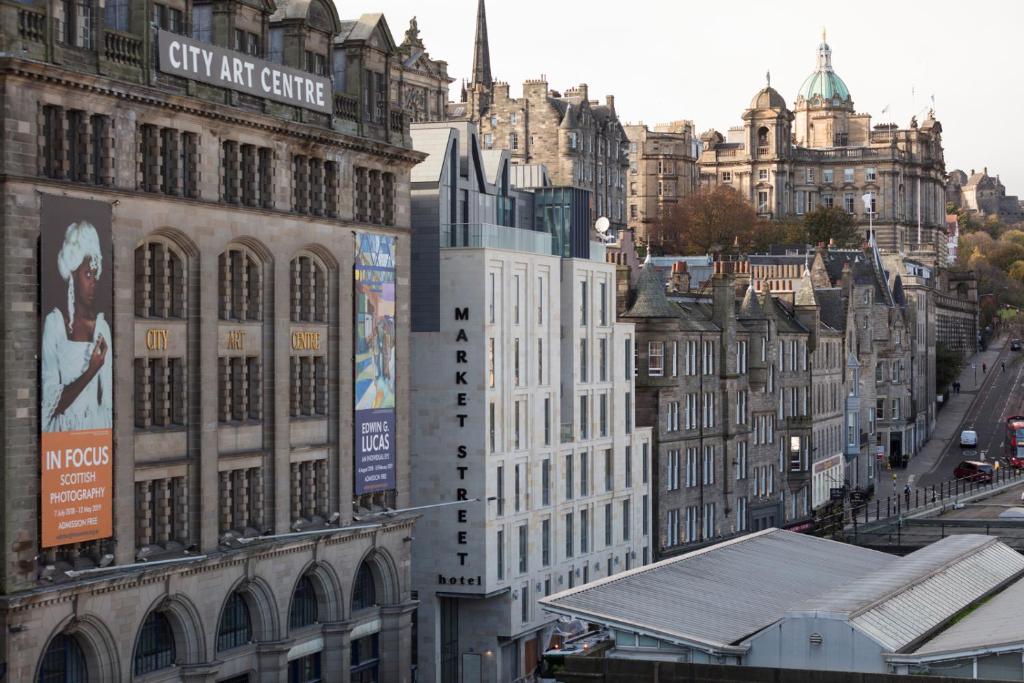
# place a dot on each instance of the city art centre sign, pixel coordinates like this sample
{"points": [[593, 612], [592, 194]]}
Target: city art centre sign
{"points": [[206, 63]]}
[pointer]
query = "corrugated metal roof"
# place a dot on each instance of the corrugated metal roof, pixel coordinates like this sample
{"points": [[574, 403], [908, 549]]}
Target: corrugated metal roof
{"points": [[899, 603], [997, 622], [717, 596]]}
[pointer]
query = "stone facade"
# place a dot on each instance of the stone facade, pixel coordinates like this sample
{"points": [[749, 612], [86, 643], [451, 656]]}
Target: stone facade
{"points": [[788, 161], [523, 409], [983, 196], [419, 82], [248, 445], [662, 170]]}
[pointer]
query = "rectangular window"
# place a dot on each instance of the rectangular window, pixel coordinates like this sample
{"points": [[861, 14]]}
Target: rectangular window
{"points": [[568, 477], [523, 549], [524, 602], [584, 475], [569, 544], [492, 427], [500, 485], [847, 175], [625, 519], [501, 554], [540, 361], [628, 406], [645, 462], [870, 175], [493, 293], [603, 305], [518, 487], [827, 176], [628, 365], [490, 362], [608, 524], [709, 520], [545, 542], [848, 202], [645, 515], [602, 414], [627, 464], [672, 471], [547, 420], [584, 531], [583, 360], [708, 473], [692, 523], [602, 359], [609, 470], [584, 301], [515, 362], [545, 482], [584, 418], [515, 299], [655, 359]]}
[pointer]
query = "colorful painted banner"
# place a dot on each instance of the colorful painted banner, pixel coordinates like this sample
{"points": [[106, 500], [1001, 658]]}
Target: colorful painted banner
{"points": [[77, 358], [374, 363]]}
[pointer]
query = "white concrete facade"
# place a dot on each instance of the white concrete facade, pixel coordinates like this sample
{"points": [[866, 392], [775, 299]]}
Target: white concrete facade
{"points": [[522, 407]]}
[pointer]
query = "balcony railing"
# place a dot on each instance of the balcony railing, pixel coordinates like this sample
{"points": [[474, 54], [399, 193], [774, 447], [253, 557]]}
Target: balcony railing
{"points": [[490, 236], [31, 24], [764, 151], [346, 107], [397, 122], [122, 49]]}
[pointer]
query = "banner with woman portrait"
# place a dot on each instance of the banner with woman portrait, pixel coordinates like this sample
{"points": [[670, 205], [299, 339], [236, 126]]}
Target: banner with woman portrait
{"points": [[76, 370], [374, 331]]}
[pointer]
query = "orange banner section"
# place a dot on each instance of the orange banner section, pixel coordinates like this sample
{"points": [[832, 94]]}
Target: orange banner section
{"points": [[77, 486]]}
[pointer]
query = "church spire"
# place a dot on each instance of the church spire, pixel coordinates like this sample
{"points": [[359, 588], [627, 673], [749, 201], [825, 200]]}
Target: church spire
{"points": [[481, 50]]}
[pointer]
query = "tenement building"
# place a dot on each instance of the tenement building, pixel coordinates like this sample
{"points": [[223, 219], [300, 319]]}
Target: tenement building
{"points": [[580, 141], [522, 406], [823, 152], [206, 261], [662, 170]]}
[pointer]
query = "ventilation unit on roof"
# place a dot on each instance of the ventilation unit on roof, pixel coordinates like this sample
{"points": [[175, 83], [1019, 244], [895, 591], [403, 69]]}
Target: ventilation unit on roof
{"points": [[816, 639]]}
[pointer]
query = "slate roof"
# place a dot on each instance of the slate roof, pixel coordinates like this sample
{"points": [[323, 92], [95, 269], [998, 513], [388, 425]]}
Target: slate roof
{"points": [[712, 598], [751, 306], [898, 604], [831, 308], [650, 301]]}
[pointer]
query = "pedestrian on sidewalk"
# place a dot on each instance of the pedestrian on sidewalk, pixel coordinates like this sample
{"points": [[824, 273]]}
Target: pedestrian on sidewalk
{"points": [[984, 368], [906, 495]]}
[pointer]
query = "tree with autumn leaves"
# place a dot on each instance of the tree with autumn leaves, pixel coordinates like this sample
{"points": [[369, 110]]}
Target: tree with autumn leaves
{"points": [[721, 221]]}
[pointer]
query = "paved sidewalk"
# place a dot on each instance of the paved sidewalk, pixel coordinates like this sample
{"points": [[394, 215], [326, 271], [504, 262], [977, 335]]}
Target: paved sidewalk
{"points": [[948, 420]]}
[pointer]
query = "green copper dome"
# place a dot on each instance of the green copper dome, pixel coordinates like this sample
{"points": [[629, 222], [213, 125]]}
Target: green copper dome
{"points": [[824, 83]]}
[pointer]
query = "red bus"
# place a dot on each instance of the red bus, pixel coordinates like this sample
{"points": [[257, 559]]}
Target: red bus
{"points": [[1015, 441]]}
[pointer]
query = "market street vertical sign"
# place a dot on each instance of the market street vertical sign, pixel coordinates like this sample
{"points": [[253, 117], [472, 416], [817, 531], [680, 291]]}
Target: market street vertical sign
{"points": [[76, 368], [374, 331], [215, 65]]}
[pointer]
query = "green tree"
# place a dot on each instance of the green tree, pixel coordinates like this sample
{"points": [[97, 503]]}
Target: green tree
{"points": [[824, 225]]}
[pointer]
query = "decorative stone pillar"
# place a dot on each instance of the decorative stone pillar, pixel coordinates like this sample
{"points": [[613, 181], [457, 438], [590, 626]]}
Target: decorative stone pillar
{"points": [[396, 642], [272, 659], [335, 660]]}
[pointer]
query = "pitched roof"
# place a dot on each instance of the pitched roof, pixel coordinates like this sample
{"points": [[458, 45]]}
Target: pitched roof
{"points": [[651, 301], [804, 295], [898, 604], [997, 622], [709, 598], [831, 307], [751, 306], [434, 140]]}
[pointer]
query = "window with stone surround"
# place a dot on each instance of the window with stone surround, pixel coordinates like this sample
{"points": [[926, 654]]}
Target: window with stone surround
{"points": [[241, 285], [77, 27], [247, 174], [374, 196], [240, 395], [308, 289], [161, 512], [308, 489], [76, 146], [241, 500], [308, 386], [160, 283], [160, 393], [168, 161], [315, 186]]}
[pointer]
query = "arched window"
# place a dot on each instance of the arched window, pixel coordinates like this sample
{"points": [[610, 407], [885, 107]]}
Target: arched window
{"points": [[64, 662], [235, 625], [364, 590], [304, 605], [241, 285], [155, 647], [308, 289], [762, 137], [159, 281]]}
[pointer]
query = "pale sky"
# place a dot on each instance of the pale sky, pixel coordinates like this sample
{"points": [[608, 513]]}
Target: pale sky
{"points": [[705, 60]]}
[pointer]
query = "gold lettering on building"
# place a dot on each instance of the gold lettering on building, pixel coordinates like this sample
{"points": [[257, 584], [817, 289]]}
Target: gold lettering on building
{"points": [[236, 340], [156, 340], [305, 341]]}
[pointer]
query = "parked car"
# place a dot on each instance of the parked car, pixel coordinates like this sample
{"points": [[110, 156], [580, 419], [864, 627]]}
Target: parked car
{"points": [[968, 439], [1015, 345], [1015, 462], [973, 470]]}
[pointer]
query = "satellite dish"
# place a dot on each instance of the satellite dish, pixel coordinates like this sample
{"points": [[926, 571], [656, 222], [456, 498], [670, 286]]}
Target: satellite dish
{"points": [[602, 225]]}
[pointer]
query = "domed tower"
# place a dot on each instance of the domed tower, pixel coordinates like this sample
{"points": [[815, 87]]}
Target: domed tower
{"points": [[824, 106], [767, 128], [768, 122]]}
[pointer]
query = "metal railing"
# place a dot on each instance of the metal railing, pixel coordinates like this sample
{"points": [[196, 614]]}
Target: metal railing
{"points": [[490, 236]]}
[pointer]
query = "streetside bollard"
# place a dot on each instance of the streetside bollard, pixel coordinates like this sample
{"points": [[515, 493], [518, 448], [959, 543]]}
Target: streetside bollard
{"points": [[917, 501], [878, 503], [933, 494]]}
